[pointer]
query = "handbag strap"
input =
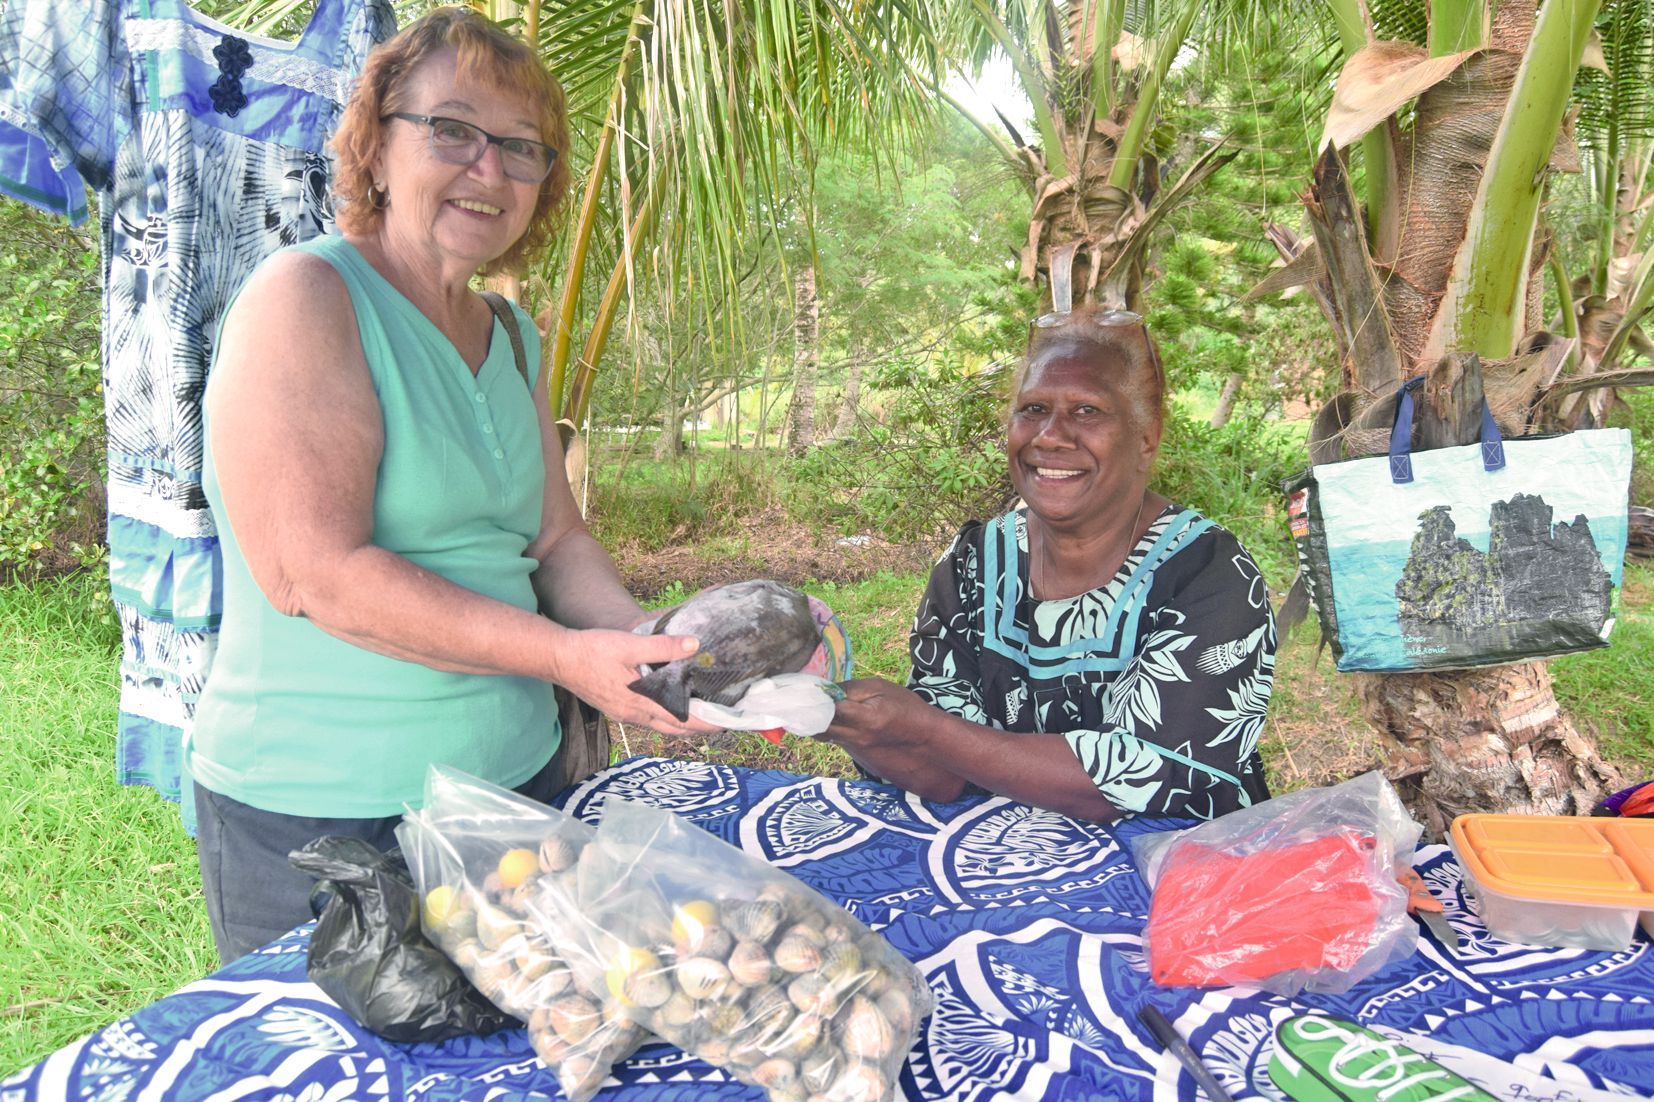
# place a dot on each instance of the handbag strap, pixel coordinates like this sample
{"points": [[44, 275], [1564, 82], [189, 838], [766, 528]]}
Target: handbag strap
{"points": [[496, 302], [1401, 436]]}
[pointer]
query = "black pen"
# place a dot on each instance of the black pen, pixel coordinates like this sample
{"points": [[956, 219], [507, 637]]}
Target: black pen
{"points": [[1167, 1035]]}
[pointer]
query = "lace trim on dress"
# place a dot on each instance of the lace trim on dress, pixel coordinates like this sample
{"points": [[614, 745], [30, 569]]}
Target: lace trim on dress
{"points": [[273, 67]]}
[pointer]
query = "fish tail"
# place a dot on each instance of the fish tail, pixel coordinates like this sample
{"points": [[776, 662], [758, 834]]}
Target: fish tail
{"points": [[667, 687]]}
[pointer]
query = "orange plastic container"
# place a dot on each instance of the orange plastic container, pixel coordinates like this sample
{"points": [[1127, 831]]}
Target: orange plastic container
{"points": [[1559, 879]]}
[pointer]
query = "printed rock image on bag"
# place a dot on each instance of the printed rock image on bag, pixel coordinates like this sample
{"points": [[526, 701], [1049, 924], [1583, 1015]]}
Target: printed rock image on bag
{"points": [[1495, 552]]}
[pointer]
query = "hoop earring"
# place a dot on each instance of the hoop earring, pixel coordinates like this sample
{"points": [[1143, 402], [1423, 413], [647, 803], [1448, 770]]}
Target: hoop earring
{"points": [[378, 197]]}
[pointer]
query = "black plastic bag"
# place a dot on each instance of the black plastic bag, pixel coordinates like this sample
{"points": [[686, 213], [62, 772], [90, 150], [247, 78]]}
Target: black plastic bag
{"points": [[370, 956]]}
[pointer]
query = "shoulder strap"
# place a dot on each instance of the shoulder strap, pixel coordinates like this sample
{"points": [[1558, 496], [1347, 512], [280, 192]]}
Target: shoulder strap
{"points": [[496, 302]]}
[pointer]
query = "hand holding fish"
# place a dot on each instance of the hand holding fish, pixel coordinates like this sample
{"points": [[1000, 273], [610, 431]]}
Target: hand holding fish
{"points": [[600, 666]]}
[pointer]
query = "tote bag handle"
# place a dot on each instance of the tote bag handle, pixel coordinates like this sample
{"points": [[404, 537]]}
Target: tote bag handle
{"points": [[1401, 436]]}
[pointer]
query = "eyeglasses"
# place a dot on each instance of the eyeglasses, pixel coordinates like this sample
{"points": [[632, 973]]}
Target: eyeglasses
{"points": [[1107, 319], [459, 143], [1100, 319]]}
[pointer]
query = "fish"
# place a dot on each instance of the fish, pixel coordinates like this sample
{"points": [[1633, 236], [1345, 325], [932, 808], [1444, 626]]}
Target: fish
{"points": [[748, 631]]}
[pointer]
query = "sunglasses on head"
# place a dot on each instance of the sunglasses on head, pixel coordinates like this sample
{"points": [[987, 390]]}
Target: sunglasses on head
{"points": [[1107, 319]]}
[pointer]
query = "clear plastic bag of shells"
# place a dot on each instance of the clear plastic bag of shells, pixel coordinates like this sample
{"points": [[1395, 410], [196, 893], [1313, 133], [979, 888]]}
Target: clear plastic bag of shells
{"points": [[489, 865], [739, 963]]}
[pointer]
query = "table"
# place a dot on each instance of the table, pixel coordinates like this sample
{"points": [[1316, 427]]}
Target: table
{"points": [[1026, 923]]}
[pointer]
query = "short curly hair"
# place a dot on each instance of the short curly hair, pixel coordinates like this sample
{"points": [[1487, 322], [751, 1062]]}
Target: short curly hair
{"points": [[487, 55], [1114, 341]]}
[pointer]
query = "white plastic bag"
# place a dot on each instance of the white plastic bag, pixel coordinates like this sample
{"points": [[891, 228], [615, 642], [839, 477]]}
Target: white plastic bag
{"points": [[1295, 893], [737, 962], [487, 862]]}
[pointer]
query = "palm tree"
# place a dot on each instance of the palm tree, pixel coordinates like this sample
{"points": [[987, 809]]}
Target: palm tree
{"points": [[1441, 275], [1605, 301], [1093, 71]]}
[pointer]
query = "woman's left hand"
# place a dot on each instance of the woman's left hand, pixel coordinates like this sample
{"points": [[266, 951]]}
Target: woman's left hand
{"points": [[878, 713]]}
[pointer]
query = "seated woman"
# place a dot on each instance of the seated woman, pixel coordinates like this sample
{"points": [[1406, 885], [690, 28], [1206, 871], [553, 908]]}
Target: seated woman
{"points": [[1099, 650]]}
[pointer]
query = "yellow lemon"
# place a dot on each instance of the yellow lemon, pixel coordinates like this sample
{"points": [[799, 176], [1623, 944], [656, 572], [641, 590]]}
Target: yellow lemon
{"points": [[690, 921], [626, 964], [439, 904], [517, 866]]}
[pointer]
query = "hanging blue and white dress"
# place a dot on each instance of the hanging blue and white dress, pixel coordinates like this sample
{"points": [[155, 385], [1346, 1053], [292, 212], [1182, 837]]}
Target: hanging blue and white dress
{"points": [[207, 151]]}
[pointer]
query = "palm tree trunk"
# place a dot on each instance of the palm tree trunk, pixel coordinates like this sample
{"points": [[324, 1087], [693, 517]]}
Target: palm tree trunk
{"points": [[806, 323]]}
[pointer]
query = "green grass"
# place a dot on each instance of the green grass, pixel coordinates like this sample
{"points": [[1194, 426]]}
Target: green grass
{"points": [[1614, 686], [103, 910]]}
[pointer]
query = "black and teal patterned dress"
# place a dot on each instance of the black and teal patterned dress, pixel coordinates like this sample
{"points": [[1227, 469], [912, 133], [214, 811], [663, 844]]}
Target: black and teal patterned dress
{"points": [[1159, 680]]}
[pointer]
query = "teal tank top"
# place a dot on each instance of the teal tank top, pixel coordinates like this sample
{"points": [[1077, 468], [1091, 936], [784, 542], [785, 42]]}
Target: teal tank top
{"points": [[296, 721]]}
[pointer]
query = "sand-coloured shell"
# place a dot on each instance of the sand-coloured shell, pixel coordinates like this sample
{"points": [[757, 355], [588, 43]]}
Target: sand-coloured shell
{"points": [[714, 942], [841, 962], [818, 1069], [797, 954], [776, 1074], [755, 921], [864, 1031], [897, 1005], [495, 926], [806, 931], [557, 854], [798, 1038], [574, 1017], [751, 964], [645, 989], [678, 1011], [813, 994], [858, 1083], [702, 977]]}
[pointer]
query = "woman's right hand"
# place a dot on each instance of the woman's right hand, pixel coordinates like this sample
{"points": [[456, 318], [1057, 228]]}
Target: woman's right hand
{"points": [[600, 665]]}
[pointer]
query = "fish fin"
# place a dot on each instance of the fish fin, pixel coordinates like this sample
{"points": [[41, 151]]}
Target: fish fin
{"points": [[666, 687]]}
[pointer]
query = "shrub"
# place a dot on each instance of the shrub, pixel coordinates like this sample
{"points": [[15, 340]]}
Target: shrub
{"points": [[51, 402]]}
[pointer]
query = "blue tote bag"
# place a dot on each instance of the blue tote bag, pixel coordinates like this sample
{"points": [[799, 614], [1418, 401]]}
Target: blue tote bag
{"points": [[1500, 551]]}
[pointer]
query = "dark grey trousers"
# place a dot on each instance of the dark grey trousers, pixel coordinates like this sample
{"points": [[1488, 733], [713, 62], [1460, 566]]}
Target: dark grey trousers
{"points": [[253, 895]]}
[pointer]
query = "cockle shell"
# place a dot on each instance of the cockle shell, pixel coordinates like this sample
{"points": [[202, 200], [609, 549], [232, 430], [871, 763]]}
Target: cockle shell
{"points": [[800, 1036], [898, 1010], [806, 932], [576, 1073], [797, 954], [858, 1083], [813, 994], [776, 1074], [755, 921], [647, 989], [678, 1011], [495, 927], [713, 941], [574, 1017], [841, 961], [702, 977], [722, 1019], [548, 1046], [818, 1069], [557, 853], [864, 1031], [750, 964]]}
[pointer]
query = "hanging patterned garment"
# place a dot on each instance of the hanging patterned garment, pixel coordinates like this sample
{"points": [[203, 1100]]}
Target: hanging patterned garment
{"points": [[207, 151]]}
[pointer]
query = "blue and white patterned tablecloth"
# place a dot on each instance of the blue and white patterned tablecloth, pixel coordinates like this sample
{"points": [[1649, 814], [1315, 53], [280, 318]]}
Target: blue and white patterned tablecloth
{"points": [[1027, 925]]}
